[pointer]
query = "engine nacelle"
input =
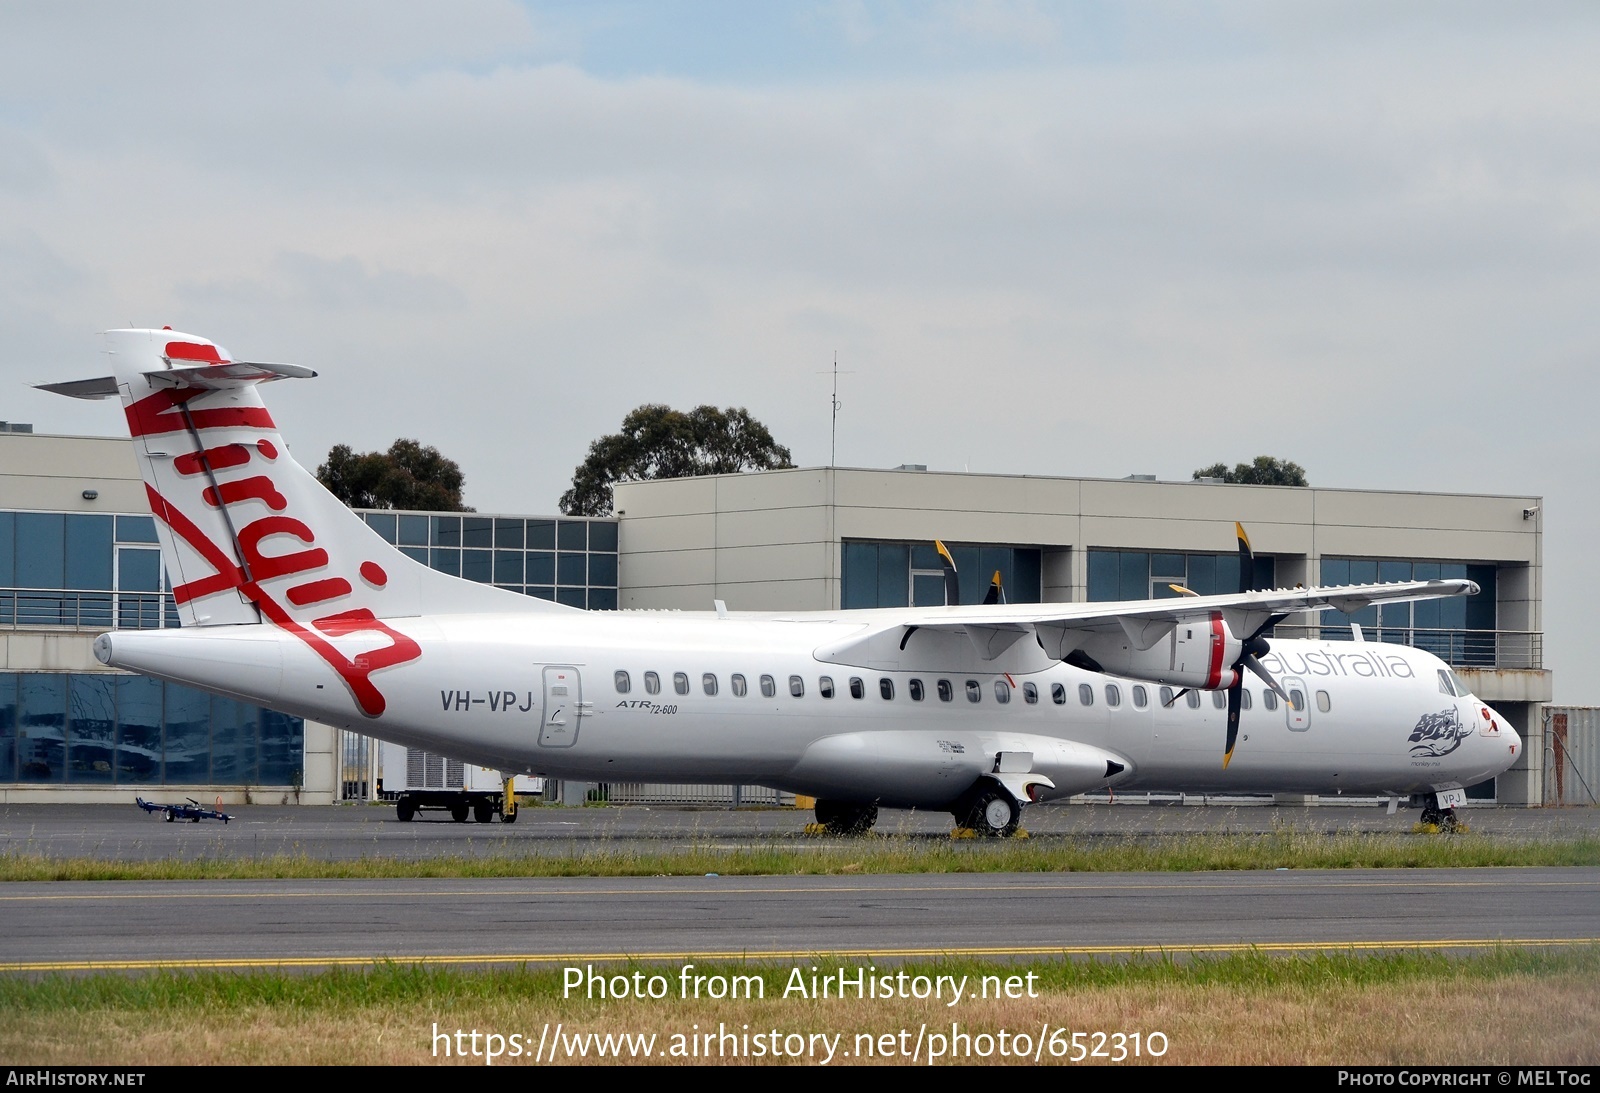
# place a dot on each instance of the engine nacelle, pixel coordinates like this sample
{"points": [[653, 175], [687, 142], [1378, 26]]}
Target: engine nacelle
{"points": [[1199, 654]]}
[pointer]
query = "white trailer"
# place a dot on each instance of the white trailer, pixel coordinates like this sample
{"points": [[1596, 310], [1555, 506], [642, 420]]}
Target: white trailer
{"points": [[418, 780]]}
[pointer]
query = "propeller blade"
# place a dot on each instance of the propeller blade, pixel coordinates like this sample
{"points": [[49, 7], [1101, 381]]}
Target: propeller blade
{"points": [[1259, 669], [1169, 702], [997, 592], [1235, 695], [952, 580], [1247, 561], [1182, 591]]}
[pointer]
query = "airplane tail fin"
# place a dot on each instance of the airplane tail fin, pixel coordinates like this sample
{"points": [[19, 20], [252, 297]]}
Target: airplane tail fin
{"points": [[247, 534]]}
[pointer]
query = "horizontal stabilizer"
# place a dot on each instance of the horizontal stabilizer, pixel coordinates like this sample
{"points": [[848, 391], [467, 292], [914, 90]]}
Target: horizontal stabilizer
{"points": [[100, 387]]}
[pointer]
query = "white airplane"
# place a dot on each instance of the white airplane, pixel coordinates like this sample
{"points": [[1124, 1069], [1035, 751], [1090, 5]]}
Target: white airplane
{"points": [[288, 600]]}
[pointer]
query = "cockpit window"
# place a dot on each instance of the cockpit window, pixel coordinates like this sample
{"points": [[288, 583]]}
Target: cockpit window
{"points": [[1444, 683], [1462, 690]]}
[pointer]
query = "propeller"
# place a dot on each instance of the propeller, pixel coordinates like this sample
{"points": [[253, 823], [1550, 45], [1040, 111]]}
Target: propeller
{"points": [[1251, 650], [952, 580], [997, 592]]}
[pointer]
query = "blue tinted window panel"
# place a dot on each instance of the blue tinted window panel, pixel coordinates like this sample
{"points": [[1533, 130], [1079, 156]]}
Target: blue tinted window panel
{"points": [[41, 727], [234, 743], [446, 531], [924, 556], [508, 534], [894, 574], [508, 567], [477, 531], [927, 590], [386, 524], [602, 535], [413, 531], [282, 749], [1335, 571], [41, 549], [1202, 577], [88, 551], [541, 534], [1426, 615], [1425, 571], [602, 599], [1363, 571], [1029, 568], [187, 734], [602, 570], [572, 569], [1453, 612], [572, 535], [572, 597], [1390, 570], [446, 561], [138, 759], [1481, 614], [136, 529], [416, 554], [969, 564], [8, 550], [138, 569], [1266, 572], [1104, 575], [541, 567], [8, 727], [1173, 566], [1135, 583], [478, 565], [541, 592], [858, 586], [91, 729]]}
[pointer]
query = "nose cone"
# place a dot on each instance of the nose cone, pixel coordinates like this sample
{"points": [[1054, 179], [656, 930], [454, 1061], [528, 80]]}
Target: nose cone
{"points": [[1498, 739]]}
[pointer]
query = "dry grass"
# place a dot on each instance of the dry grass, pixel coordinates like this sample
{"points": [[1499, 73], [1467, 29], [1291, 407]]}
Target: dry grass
{"points": [[1347, 1011]]}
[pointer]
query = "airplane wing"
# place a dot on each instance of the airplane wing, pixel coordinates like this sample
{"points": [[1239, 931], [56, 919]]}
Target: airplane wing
{"points": [[1061, 628]]}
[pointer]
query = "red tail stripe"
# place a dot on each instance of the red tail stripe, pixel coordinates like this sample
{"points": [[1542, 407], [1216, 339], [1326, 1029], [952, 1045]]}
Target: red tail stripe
{"points": [[156, 414], [220, 458], [192, 351], [318, 591]]}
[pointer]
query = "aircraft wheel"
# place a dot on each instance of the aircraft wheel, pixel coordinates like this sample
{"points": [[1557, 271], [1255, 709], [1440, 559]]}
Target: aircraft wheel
{"points": [[844, 818], [458, 812], [404, 810], [483, 812], [994, 815]]}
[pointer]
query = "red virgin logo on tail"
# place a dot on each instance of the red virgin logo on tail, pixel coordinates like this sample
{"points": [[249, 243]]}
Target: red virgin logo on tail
{"points": [[163, 413]]}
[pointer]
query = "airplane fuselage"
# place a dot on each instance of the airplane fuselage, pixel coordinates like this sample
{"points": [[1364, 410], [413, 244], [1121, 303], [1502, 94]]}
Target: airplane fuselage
{"points": [[669, 697]]}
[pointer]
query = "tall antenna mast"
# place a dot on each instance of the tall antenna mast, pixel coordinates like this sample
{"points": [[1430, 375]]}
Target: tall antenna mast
{"points": [[833, 438]]}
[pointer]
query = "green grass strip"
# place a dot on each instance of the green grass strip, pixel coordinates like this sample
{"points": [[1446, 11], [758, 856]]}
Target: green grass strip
{"points": [[403, 984], [791, 855]]}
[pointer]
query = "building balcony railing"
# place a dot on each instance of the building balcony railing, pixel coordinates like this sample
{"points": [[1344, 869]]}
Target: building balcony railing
{"points": [[74, 609], [1457, 648]]}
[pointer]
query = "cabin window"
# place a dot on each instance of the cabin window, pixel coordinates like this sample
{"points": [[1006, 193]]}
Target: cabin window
{"points": [[947, 693], [680, 682], [736, 681], [1324, 703], [1269, 699], [1297, 699], [1085, 695], [1058, 694], [652, 683], [1002, 691], [1194, 700], [825, 686], [1113, 695], [886, 688], [858, 689], [623, 682], [1030, 694], [1166, 698], [709, 683], [1141, 697], [769, 686], [797, 686], [1444, 683], [1245, 701], [974, 691], [915, 687], [1219, 699]]}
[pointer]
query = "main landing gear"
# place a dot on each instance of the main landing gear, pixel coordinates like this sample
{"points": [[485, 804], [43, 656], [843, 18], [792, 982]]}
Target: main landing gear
{"points": [[845, 817], [991, 814]]}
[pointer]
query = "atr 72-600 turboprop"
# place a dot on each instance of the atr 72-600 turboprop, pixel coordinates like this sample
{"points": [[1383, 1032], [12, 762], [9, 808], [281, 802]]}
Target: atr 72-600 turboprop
{"points": [[289, 601]]}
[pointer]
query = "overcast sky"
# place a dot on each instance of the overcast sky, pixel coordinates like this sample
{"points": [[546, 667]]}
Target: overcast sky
{"points": [[1077, 238]]}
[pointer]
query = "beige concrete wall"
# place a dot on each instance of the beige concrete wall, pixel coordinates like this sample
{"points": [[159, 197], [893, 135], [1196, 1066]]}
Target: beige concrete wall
{"points": [[38, 471]]}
